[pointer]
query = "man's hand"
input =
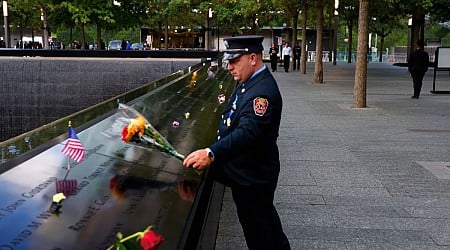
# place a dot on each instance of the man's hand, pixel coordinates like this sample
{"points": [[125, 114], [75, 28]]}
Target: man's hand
{"points": [[198, 159]]}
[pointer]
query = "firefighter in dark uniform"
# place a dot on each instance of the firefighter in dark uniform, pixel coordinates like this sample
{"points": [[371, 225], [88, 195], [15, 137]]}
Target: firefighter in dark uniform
{"points": [[245, 156]]}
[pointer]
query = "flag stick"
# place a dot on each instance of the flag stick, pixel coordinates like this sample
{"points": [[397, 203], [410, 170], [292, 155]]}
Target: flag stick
{"points": [[68, 158], [68, 168]]}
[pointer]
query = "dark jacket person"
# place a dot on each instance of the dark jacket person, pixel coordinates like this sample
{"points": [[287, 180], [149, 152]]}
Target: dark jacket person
{"points": [[245, 156], [417, 66]]}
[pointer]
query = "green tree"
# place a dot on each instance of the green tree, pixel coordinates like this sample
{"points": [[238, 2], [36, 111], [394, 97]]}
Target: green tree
{"points": [[95, 12], [416, 9], [101, 16], [22, 15], [384, 20], [234, 18], [80, 12], [31, 13], [45, 7], [440, 11], [292, 10], [348, 10], [61, 19]]}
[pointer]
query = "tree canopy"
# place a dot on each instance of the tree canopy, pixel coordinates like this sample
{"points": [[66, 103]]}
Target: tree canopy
{"points": [[233, 16]]}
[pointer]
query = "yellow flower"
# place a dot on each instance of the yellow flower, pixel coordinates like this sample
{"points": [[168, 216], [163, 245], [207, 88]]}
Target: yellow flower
{"points": [[58, 197]]}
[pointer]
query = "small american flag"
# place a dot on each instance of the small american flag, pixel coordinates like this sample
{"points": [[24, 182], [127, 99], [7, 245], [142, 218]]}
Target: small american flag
{"points": [[73, 148], [67, 187]]}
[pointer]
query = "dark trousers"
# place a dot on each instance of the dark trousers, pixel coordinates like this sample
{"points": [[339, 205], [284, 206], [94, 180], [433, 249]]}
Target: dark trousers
{"points": [[296, 63], [259, 219], [286, 60], [273, 64], [417, 82]]}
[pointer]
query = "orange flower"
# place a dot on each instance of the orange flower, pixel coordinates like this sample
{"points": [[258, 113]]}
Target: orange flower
{"points": [[136, 127], [139, 131]]}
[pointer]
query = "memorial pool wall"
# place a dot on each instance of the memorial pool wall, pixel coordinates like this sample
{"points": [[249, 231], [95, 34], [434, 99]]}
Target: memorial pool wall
{"points": [[38, 90], [118, 187]]}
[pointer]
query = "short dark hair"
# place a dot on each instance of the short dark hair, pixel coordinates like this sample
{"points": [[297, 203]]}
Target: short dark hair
{"points": [[420, 43]]}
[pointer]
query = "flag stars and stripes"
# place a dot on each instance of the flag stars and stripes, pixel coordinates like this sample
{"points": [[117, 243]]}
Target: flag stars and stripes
{"points": [[73, 147]]}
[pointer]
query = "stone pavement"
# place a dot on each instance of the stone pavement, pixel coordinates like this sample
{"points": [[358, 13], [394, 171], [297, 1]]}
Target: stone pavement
{"points": [[372, 178]]}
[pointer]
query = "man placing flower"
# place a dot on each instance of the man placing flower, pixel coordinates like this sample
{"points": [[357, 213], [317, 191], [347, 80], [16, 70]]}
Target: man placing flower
{"points": [[245, 156]]}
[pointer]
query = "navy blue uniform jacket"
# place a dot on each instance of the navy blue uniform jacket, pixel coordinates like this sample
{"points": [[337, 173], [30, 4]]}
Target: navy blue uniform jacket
{"points": [[418, 62], [246, 153]]}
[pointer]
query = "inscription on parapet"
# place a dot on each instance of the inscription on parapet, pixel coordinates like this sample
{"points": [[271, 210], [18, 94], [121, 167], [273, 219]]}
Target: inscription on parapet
{"points": [[13, 206], [33, 225], [92, 210]]}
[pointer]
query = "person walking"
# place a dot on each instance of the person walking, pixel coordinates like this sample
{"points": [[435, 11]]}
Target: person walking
{"points": [[417, 66], [296, 58], [287, 52], [245, 156], [273, 53]]}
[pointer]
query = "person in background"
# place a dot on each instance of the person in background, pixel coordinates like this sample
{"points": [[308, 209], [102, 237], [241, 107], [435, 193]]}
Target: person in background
{"points": [[245, 156], [102, 44], [287, 52], [417, 66], [273, 53], [128, 45], [296, 57]]}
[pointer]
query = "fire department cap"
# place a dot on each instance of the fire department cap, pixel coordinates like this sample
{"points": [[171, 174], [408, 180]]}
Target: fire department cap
{"points": [[236, 46]]}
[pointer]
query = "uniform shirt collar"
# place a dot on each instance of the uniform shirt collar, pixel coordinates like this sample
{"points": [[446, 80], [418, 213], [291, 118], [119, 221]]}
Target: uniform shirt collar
{"points": [[252, 76], [258, 71]]}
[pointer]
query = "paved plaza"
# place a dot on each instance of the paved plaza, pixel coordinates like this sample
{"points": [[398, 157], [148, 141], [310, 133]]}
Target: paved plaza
{"points": [[372, 178]]}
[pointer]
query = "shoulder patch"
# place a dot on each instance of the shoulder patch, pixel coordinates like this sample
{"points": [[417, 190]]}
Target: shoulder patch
{"points": [[260, 106]]}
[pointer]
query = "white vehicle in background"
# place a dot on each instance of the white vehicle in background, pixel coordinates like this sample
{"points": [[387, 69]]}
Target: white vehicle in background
{"points": [[115, 45]]}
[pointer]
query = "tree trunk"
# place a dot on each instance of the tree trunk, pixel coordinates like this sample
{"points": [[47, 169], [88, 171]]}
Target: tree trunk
{"points": [[166, 33], [83, 35], [417, 29], [331, 33], [99, 37], [21, 36], [359, 92], [71, 37], [294, 27], [45, 28], [207, 34], [350, 41], [381, 48], [335, 38], [318, 69], [304, 52]]}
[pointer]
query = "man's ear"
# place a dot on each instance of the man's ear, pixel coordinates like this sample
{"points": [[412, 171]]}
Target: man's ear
{"points": [[253, 58]]}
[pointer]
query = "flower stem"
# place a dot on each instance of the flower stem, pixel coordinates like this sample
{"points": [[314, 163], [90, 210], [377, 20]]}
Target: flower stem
{"points": [[125, 239]]}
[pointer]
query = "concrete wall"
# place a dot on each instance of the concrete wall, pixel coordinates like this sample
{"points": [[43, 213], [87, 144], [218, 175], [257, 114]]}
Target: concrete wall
{"points": [[35, 91]]}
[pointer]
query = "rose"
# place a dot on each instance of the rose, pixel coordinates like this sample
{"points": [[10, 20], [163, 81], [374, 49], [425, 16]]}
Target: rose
{"points": [[151, 240], [148, 240]]}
